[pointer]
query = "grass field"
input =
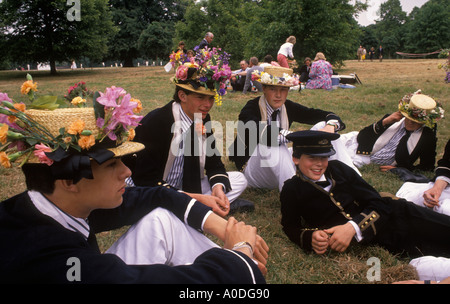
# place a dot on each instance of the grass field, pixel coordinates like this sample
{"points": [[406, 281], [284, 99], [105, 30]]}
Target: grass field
{"points": [[383, 84]]}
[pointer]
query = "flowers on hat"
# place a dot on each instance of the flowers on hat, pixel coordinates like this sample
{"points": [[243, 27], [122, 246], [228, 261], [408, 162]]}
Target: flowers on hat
{"points": [[209, 69], [268, 79], [22, 136], [428, 118], [119, 115]]}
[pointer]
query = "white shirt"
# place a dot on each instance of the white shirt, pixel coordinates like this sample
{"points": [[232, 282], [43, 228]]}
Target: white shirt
{"points": [[286, 50], [66, 220]]}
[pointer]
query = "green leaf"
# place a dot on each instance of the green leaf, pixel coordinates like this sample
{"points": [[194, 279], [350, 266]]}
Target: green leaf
{"points": [[45, 103], [98, 108]]}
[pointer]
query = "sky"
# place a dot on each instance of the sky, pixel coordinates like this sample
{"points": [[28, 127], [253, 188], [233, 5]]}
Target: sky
{"points": [[369, 16]]}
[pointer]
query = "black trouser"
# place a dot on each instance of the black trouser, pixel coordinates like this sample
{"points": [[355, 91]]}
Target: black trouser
{"points": [[415, 231]]}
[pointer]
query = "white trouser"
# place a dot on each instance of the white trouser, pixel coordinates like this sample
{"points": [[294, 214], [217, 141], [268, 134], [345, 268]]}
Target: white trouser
{"points": [[238, 184], [160, 238], [269, 167], [432, 268], [413, 192], [237, 179], [345, 147]]}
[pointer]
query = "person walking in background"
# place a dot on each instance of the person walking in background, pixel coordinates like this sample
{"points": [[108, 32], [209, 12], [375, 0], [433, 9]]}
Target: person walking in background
{"points": [[380, 53], [285, 51]]}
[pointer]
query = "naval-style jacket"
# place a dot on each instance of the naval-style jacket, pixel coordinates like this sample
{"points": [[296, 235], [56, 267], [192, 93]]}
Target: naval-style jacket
{"points": [[37, 249]]}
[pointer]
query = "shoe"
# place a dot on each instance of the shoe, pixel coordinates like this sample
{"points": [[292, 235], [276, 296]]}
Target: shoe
{"points": [[241, 205]]}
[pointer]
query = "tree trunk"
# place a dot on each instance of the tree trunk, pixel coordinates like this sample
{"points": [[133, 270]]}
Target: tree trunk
{"points": [[128, 62]]}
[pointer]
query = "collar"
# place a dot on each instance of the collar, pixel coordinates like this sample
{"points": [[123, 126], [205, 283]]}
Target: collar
{"points": [[68, 221]]}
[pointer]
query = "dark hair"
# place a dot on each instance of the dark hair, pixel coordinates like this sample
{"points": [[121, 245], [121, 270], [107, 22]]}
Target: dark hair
{"points": [[177, 89], [39, 177], [268, 58]]}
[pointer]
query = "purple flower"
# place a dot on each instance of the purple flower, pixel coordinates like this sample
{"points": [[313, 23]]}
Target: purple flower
{"points": [[4, 97]]}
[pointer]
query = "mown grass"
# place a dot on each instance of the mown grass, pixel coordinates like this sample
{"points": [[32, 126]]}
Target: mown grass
{"points": [[384, 83]]}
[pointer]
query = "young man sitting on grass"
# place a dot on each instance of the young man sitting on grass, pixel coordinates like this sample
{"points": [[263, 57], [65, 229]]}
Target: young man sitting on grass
{"points": [[327, 205]]}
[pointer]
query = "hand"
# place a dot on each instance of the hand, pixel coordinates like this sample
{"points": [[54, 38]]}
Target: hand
{"points": [[394, 117], [218, 206], [328, 128], [431, 196], [236, 232], [217, 191], [261, 250], [386, 168], [341, 236], [319, 241]]}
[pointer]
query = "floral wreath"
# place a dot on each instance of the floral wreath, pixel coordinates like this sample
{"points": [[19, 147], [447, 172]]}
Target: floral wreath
{"points": [[209, 69], [428, 118], [22, 137], [268, 79]]}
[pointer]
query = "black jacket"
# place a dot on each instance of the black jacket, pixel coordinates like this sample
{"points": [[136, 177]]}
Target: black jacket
{"points": [[396, 224], [425, 150], [36, 248], [155, 132], [241, 149]]}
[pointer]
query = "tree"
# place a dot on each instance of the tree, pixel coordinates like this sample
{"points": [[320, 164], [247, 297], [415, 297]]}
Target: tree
{"points": [[428, 29], [41, 30], [134, 18], [389, 30], [258, 28]]}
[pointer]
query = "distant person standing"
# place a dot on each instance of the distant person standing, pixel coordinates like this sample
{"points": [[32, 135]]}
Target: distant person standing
{"points": [[286, 51], [359, 52], [371, 53], [205, 42], [380, 53]]}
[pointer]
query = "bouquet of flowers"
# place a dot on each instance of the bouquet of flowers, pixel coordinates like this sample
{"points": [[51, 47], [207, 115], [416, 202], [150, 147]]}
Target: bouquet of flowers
{"points": [[78, 93], [268, 79], [428, 118], [178, 58], [209, 68], [24, 135], [445, 66]]}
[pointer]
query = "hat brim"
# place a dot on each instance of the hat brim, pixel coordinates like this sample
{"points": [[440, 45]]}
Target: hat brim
{"points": [[412, 118], [201, 90], [126, 148]]}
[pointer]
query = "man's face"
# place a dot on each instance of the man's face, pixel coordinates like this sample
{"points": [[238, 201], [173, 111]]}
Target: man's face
{"points": [[243, 64], [195, 103], [106, 189], [411, 125], [275, 95], [209, 38], [312, 167]]}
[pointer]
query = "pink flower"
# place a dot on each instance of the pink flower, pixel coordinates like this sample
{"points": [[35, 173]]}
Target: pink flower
{"points": [[4, 97], [109, 99], [40, 153], [182, 72]]}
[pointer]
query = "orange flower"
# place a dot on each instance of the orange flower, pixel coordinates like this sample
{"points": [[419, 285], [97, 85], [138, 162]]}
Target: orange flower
{"points": [[138, 109], [28, 86], [20, 107], [131, 134], [78, 100], [3, 133], [85, 142], [4, 160], [76, 127]]}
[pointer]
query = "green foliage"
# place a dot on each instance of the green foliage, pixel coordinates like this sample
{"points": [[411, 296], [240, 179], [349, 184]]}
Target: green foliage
{"points": [[40, 31], [135, 19]]}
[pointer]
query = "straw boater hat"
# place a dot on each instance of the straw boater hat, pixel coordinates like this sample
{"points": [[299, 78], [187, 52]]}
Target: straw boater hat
{"points": [[276, 76], [207, 73], [421, 108], [67, 139]]}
